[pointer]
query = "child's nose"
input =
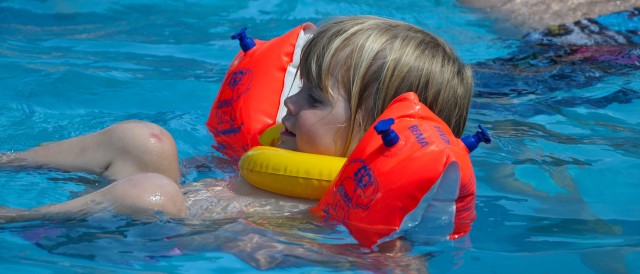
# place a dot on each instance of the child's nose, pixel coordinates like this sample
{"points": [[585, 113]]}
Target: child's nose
{"points": [[289, 104]]}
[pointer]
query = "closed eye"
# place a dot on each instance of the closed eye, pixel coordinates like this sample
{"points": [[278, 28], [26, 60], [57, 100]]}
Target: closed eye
{"points": [[314, 98]]}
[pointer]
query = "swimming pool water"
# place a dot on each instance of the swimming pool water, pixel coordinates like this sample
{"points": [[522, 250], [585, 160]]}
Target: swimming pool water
{"points": [[557, 190]]}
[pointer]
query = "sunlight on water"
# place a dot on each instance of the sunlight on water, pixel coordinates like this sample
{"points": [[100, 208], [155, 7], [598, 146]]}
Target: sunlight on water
{"points": [[557, 189]]}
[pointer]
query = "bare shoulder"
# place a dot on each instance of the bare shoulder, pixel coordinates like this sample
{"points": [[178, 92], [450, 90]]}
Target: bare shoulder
{"points": [[535, 14]]}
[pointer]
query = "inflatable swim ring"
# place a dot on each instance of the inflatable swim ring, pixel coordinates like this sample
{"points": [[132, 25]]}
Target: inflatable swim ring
{"points": [[290, 173], [287, 172]]}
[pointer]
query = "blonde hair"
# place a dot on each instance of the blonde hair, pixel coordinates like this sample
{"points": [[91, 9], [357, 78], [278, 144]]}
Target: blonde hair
{"points": [[372, 60]]}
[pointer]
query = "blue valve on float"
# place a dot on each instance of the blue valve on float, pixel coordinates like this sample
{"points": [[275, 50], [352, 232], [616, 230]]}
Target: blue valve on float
{"points": [[472, 141], [246, 42], [389, 136]]}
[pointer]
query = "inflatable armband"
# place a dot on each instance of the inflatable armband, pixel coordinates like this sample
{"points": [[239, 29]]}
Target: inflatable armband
{"points": [[408, 176], [250, 99]]}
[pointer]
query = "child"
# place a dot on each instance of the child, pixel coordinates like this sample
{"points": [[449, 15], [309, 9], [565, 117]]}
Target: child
{"points": [[351, 69]]}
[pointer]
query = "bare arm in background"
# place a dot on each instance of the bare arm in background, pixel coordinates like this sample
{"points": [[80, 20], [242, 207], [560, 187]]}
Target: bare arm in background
{"points": [[537, 14]]}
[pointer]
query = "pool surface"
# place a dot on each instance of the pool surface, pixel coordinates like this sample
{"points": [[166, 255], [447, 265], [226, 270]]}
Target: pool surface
{"points": [[557, 190]]}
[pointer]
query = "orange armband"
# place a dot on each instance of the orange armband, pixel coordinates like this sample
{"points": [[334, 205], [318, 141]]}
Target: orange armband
{"points": [[252, 94], [409, 176]]}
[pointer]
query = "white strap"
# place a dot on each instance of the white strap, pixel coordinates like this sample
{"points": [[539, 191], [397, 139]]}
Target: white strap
{"points": [[292, 82]]}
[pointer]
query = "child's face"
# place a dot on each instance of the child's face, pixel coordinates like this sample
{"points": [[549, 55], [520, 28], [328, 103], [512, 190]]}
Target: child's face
{"points": [[314, 123]]}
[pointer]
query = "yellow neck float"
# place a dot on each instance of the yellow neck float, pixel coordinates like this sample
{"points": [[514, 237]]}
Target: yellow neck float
{"points": [[287, 172]]}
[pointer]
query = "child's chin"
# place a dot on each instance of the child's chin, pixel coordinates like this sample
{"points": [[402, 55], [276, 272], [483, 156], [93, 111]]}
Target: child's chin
{"points": [[288, 145]]}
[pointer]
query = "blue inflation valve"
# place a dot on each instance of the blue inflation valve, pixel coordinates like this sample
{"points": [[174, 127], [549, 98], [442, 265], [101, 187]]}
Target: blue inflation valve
{"points": [[246, 42], [389, 136], [472, 141]]}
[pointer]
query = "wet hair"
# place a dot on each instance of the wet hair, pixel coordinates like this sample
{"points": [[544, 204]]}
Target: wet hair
{"points": [[371, 60]]}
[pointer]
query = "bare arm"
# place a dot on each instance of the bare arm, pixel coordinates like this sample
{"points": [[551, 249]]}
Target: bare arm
{"points": [[536, 14]]}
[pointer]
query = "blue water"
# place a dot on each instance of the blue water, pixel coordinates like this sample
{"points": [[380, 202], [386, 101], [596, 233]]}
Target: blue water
{"points": [[557, 190]]}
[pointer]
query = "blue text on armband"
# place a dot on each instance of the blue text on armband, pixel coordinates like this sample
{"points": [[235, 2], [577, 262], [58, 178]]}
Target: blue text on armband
{"points": [[442, 135], [418, 135]]}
